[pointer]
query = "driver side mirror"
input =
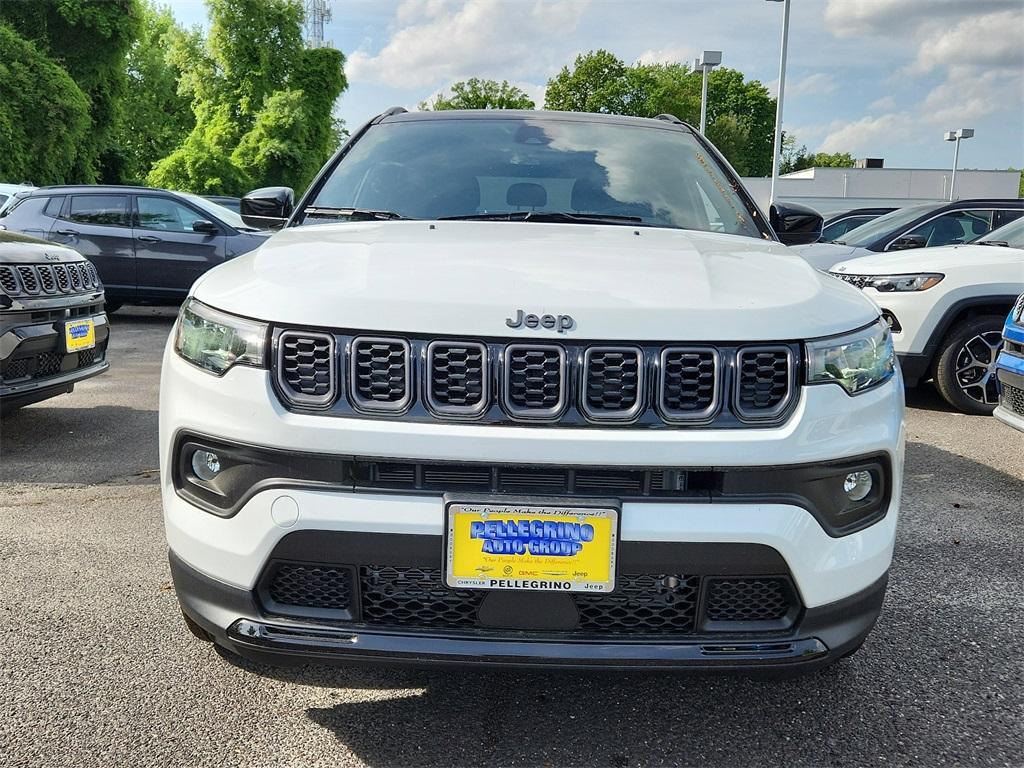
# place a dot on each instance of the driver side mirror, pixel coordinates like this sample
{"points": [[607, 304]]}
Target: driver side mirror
{"points": [[204, 226], [268, 207], [795, 224], [907, 242]]}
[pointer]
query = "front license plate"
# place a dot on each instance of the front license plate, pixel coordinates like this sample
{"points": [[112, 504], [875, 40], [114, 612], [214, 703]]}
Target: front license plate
{"points": [[529, 547], [79, 335]]}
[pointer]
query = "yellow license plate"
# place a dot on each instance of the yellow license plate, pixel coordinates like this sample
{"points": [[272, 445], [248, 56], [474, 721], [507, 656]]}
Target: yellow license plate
{"points": [[79, 335], [528, 547]]}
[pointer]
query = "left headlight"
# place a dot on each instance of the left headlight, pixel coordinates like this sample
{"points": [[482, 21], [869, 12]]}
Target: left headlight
{"points": [[856, 362], [215, 341], [899, 283]]}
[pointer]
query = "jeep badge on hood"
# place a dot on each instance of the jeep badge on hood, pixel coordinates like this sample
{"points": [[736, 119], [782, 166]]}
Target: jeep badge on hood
{"points": [[561, 323]]}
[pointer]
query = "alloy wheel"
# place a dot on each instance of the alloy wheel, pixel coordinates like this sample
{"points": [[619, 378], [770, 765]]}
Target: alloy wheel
{"points": [[976, 367]]}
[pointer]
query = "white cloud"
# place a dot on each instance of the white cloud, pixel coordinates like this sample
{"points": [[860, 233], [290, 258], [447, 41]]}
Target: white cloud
{"points": [[994, 40], [855, 18], [884, 104], [672, 54], [818, 83], [440, 40], [867, 132]]}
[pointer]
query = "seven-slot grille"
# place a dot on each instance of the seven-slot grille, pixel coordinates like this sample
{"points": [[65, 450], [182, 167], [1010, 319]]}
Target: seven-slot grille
{"points": [[306, 368], [457, 378], [380, 374], [764, 381], [613, 381], [565, 384], [48, 279], [535, 380]]}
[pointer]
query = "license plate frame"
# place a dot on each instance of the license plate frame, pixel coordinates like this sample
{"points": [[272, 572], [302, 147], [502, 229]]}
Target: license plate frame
{"points": [[590, 570], [74, 343]]}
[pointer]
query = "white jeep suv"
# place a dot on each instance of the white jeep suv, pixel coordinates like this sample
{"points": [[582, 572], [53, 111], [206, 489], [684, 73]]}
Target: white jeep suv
{"points": [[530, 388], [946, 307]]}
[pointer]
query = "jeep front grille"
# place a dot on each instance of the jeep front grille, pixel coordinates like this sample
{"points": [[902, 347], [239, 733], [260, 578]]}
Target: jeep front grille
{"points": [[859, 281], [48, 279], [380, 374], [512, 382]]}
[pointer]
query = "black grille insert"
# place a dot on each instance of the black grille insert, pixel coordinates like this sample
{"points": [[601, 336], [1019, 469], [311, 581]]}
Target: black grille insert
{"points": [[764, 381], [380, 374], [613, 383], [8, 281], [319, 587], [643, 603], [400, 596], [39, 279], [689, 383], [457, 378], [307, 368], [749, 600], [535, 381], [1013, 399]]}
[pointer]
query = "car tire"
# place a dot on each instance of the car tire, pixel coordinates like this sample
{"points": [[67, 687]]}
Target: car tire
{"points": [[110, 307], [965, 367]]}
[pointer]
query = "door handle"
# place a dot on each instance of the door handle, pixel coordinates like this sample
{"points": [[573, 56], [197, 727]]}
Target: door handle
{"points": [[67, 232], [148, 239]]}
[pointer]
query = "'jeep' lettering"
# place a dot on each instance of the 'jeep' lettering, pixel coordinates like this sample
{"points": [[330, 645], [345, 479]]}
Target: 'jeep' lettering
{"points": [[560, 323]]}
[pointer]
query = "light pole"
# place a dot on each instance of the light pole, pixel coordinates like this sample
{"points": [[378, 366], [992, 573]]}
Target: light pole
{"points": [[957, 135], [706, 63], [777, 149]]}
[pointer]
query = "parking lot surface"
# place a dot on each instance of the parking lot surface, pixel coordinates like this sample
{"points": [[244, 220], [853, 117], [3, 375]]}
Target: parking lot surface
{"points": [[97, 667]]}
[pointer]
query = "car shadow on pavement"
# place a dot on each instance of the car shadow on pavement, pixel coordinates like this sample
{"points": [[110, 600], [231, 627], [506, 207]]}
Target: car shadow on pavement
{"points": [[926, 397]]}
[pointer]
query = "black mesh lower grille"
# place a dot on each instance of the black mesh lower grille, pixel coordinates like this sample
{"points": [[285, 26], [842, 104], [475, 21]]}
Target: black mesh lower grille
{"points": [[1013, 399], [47, 364], [766, 599], [417, 597]]}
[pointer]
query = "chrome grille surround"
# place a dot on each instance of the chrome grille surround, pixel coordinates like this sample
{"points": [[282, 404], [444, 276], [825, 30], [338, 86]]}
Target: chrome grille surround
{"points": [[757, 379], [457, 377], [674, 389], [524, 367], [625, 368], [303, 359], [380, 374]]}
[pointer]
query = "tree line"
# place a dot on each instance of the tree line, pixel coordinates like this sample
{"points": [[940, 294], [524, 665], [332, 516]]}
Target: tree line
{"points": [[115, 91]]}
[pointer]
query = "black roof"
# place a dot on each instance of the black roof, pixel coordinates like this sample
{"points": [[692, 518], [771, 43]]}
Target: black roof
{"points": [[102, 188], [399, 115]]}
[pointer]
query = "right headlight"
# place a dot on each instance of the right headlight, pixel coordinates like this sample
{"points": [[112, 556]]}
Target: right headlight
{"points": [[215, 341], [856, 362]]}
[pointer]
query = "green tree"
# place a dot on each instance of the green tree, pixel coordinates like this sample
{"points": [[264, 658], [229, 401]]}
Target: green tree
{"points": [[89, 39], [155, 117], [599, 81], [44, 115], [481, 94], [798, 158]]}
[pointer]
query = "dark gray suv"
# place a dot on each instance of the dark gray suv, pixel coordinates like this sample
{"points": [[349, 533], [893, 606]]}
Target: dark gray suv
{"points": [[149, 245]]}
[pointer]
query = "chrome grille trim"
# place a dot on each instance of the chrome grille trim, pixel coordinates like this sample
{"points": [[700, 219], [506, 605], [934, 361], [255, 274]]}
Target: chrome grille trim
{"points": [[763, 414], [679, 415], [284, 367], [447, 409], [587, 380], [362, 378], [533, 413]]}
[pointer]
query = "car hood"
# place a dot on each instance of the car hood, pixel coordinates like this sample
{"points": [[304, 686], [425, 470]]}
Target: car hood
{"points": [[824, 255], [20, 249], [936, 259], [467, 278]]}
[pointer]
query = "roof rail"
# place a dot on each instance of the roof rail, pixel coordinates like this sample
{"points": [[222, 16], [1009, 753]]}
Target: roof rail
{"points": [[669, 119], [389, 113]]}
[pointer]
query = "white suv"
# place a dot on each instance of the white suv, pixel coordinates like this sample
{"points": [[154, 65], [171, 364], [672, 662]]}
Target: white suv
{"points": [[530, 388], [946, 307]]}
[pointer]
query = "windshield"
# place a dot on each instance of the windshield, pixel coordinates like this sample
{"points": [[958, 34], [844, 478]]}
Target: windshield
{"points": [[866, 234], [1012, 234], [442, 168], [226, 215]]}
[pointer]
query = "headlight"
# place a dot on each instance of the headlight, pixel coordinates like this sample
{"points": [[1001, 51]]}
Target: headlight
{"points": [[215, 341], [857, 362], [904, 283]]}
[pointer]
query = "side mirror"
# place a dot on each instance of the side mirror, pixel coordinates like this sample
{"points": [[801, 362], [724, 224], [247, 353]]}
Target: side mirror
{"points": [[795, 224], [907, 242], [204, 226], [267, 208]]}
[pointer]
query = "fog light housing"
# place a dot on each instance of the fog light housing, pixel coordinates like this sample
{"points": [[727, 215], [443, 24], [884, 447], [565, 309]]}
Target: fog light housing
{"points": [[206, 465], [857, 485]]}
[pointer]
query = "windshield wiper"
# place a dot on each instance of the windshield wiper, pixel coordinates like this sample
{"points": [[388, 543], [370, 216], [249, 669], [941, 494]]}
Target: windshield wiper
{"points": [[362, 214], [549, 217], [1000, 243]]}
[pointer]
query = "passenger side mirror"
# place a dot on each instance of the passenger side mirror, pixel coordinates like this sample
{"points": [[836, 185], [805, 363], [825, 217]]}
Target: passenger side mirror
{"points": [[907, 242], [268, 207], [795, 224], [204, 226]]}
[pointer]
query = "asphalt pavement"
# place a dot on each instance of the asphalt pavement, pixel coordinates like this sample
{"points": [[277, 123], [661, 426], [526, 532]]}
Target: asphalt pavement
{"points": [[97, 668]]}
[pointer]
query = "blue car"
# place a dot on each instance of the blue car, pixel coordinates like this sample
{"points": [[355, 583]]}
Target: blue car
{"points": [[1010, 369]]}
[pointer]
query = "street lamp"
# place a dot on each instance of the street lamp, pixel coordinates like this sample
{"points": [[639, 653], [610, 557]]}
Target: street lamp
{"points": [[957, 135], [706, 63], [777, 149]]}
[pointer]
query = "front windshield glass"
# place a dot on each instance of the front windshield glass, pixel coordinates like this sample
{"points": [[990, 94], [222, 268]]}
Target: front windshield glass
{"points": [[866, 234], [1012, 234], [226, 215], [438, 168]]}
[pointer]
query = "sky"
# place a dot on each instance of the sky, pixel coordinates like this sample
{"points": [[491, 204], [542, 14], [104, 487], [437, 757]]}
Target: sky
{"points": [[876, 78]]}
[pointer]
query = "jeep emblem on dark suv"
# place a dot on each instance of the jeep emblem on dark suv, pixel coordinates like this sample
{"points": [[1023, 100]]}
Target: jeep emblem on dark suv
{"points": [[561, 323]]}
